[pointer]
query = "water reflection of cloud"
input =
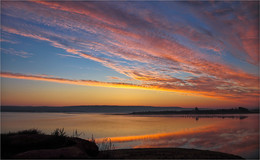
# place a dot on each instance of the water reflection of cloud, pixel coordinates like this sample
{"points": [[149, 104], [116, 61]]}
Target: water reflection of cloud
{"points": [[239, 141]]}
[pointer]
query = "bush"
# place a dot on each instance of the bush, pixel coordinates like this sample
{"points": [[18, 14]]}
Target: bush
{"points": [[30, 131], [77, 134], [106, 145], [59, 132]]}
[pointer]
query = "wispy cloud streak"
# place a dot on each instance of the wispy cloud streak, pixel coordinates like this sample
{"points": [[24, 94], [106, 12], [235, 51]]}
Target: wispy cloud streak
{"points": [[16, 53], [68, 81]]}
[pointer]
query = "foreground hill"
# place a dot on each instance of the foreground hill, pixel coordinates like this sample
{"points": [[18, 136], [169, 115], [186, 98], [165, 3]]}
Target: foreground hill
{"points": [[32, 144]]}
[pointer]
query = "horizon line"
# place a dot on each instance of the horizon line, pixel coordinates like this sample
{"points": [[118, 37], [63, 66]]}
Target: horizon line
{"points": [[126, 106]]}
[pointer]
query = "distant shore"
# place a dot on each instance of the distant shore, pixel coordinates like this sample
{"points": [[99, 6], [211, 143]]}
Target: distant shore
{"points": [[87, 109], [196, 111]]}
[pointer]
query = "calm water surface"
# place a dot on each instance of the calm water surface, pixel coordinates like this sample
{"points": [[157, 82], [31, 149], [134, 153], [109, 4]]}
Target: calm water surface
{"points": [[236, 135]]}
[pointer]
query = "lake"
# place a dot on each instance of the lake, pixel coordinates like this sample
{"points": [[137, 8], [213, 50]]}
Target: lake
{"points": [[237, 134]]}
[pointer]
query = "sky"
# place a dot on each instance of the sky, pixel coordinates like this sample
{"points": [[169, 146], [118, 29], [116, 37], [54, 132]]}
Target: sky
{"points": [[157, 53]]}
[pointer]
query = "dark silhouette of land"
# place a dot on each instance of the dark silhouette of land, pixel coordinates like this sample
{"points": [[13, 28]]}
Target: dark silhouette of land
{"points": [[33, 144], [201, 116], [196, 111], [87, 109]]}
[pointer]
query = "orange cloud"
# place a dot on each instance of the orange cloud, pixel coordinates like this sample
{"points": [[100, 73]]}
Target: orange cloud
{"points": [[69, 81]]}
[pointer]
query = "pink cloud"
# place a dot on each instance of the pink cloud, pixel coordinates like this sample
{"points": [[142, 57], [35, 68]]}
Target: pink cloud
{"points": [[239, 34]]}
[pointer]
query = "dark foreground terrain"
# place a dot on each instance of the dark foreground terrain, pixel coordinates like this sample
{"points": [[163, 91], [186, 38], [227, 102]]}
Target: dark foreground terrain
{"points": [[165, 153], [32, 144]]}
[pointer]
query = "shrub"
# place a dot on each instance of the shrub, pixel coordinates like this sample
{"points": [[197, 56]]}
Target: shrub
{"points": [[59, 132], [106, 145], [92, 139], [77, 134], [30, 131]]}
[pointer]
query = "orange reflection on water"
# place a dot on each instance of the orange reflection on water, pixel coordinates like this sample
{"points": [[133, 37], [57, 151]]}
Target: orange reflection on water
{"points": [[160, 135]]}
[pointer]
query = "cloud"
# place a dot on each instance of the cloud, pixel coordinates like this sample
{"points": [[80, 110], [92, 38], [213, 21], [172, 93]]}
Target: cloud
{"points": [[236, 25], [8, 41], [67, 55], [148, 46], [69, 81], [87, 82], [12, 51]]}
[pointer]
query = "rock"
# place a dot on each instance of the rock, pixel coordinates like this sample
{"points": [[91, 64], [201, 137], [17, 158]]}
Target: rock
{"points": [[89, 147]]}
